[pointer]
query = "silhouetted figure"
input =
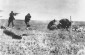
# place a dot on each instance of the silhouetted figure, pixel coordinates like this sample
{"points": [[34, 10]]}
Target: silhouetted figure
{"points": [[11, 34], [11, 18], [64, 24], [51, 25], [27, 19]]}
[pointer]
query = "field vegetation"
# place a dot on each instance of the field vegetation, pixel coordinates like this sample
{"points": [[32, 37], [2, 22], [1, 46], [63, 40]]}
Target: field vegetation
{"points": [[38, 40]]}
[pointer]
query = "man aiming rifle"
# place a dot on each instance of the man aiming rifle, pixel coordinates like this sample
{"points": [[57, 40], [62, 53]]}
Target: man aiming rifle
{"points": [[11, 18]]}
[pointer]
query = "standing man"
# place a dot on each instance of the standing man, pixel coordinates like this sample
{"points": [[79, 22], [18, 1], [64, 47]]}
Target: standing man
{"points": [[11, 18], [27, 19]]}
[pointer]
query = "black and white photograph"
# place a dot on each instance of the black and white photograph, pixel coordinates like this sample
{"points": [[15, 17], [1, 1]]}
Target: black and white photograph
{"points": [[42, 27]]}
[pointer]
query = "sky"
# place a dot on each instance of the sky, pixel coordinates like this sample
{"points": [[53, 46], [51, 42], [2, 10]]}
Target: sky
{"points": [[44, 9]]}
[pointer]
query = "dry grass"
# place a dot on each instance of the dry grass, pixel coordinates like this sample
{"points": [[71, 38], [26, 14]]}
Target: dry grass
{"points": [[40, 41]]}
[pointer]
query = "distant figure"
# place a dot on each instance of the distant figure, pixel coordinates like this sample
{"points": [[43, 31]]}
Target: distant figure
{"points": [[11, 34], [51, 25], [27, 19], [64, 24], [11, 18]]}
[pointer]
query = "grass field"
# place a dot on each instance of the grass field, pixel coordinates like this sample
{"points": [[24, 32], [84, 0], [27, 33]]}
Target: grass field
{"points": [[38, 40]]}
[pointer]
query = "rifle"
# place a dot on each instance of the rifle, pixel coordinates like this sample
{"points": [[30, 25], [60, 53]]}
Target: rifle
{"points": [[16, 14]]}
